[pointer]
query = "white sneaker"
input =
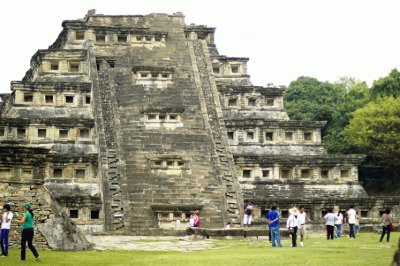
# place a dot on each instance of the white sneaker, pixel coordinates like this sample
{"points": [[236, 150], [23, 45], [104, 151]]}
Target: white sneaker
{"points": [[302, 244]]}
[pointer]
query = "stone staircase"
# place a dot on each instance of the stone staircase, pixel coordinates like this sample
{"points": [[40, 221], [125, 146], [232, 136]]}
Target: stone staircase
{"points": [[212, 111], [106, 130], [115, 190]]}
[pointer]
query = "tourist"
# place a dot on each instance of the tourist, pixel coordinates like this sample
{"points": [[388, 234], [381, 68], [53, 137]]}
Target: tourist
{"points": [[338, 223], [229, 225], [269, 229], [293, 224], [330, 224], [351, 220], [273, 221], [248, 213], [191, 219], [5, 229], [194, 220], [27, 231], [302, 220], [386, 221], [357, 227], [269, 235]]}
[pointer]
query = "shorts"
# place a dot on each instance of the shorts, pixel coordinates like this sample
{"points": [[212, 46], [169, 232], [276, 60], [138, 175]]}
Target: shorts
{"points": [[302, 230], [247, 219]]}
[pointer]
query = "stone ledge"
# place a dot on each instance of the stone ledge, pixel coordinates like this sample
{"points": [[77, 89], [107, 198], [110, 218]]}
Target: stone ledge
{"points": [[176, 207]]}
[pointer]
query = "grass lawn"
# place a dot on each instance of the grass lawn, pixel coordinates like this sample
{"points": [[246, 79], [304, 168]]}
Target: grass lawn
{"points": [[365, 250]]}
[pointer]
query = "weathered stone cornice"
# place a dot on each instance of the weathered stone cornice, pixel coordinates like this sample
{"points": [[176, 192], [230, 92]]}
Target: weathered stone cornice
{"points": [[199, 28], [73, 158], [50, 53], [292, 160], [56, 86], [152, 69], [122, 30], [231, 58], [176, 207], [73, 191], [14, 155], [248, 122], [156, 109], [269, 91], [56, 121]]}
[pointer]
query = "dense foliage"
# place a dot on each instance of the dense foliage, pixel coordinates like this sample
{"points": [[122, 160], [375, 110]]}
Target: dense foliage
{"points": [[387, 86], [375, 128], [359, 119]]}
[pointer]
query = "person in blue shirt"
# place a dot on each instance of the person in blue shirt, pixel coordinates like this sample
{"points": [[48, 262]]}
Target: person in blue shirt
{"points": [[273, 222]]}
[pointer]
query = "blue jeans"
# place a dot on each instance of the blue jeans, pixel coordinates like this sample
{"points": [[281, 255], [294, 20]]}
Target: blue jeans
{"points": [[4, 241], [338, 230], [385, 230], [275, 234], [357, 229], [352, 235]]}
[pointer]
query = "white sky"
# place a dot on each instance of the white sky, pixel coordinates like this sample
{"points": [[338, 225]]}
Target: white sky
{"points": [[284, 39]]}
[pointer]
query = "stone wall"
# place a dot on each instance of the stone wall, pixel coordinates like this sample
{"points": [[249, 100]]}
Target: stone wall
{"points": [[16, 195], [53, 228]]}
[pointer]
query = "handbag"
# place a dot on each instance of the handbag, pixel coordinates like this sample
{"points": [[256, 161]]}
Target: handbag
{"points": [[391, 226]]}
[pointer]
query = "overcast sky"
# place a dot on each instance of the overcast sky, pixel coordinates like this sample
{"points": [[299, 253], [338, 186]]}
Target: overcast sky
{"points": [[284, 39]]}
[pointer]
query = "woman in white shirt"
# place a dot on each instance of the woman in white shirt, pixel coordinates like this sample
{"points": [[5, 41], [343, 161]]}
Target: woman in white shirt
{"points": [[293, 224], [386, 221], [5, 229], [330, 224], [338, 223]]}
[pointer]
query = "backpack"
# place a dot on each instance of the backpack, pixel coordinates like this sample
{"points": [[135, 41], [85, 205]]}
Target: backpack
{"points": [[197, 222]]}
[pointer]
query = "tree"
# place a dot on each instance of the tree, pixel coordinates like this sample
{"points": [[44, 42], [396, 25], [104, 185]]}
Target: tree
{"points": [[357, 95], [375, 128], [309, 99], [347, 82], [387, 86]]}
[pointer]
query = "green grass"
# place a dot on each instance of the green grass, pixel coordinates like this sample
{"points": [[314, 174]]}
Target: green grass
{"points": [[365, 250]]}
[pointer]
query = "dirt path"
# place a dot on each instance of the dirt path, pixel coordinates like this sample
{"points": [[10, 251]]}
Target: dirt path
{"points": [[149, 243]]}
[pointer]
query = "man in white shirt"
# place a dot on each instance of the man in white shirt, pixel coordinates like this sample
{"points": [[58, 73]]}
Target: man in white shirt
{"points": [[302, 221], [293, 224], [5, 229], [351, 220], [330, 224]]}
